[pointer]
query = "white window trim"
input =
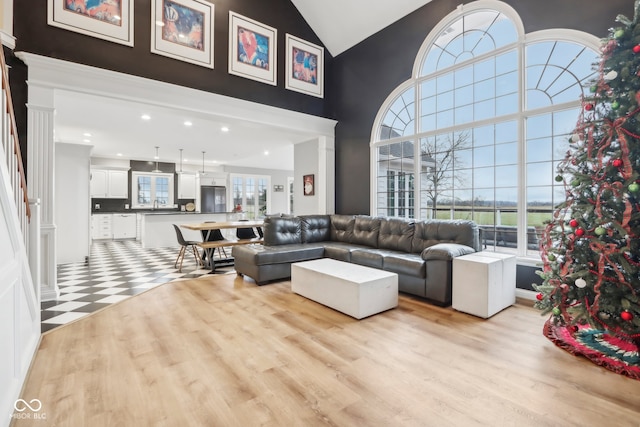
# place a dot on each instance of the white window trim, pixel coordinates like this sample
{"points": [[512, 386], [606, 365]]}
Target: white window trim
{"points": [[524, 39], [256, 177], [134, 189]]}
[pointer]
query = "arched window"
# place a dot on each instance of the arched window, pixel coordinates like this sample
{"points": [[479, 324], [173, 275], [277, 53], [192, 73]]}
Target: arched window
{"points": [[477, 132]]}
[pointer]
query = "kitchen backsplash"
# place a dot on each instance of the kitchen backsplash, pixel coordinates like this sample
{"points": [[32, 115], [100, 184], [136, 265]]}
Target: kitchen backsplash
{"points": [[118, 205]]}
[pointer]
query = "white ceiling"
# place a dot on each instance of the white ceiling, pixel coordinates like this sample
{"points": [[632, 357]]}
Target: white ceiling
{"points": [[116, 126], [117, 130], [343, 24]]}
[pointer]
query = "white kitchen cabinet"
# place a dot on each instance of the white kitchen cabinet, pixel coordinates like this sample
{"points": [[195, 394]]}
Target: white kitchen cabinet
{"points": [[186, 186], [99, 183], [109, 184], [101, 226], [118, 185], [124, 226]]}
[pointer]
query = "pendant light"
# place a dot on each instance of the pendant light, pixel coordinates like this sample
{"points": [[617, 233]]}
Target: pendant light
{"points": [[203, 172], [180, 160], [156, 170]]}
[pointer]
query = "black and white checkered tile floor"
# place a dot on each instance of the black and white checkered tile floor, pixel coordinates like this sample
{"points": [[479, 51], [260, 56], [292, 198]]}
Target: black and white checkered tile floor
{"points": [[116, 271]]}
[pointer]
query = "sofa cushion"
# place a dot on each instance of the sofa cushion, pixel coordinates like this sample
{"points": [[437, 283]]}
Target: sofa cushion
{"points": [[432, 232], [339, 250], [367, 257], [396, 234], [405, 263], [315, 228], [282, 231], [445, 251], [265, 255], [342, 228], [365, 231]]}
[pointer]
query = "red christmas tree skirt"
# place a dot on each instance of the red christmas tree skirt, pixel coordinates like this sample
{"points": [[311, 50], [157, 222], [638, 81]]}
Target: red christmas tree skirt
{"points": [[608, 351]]}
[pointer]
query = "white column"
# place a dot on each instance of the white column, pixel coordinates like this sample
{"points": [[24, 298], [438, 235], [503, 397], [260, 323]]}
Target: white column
{"points": [[40, 179], [327, 169], [315, 157]]}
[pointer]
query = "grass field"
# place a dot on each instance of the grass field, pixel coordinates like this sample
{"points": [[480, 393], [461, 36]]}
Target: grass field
{"points": [[535, 219]]}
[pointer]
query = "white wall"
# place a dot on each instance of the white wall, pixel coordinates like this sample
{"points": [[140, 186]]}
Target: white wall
{"points": [[73, 202], [6, 23], [315, 157], [19, 303]]}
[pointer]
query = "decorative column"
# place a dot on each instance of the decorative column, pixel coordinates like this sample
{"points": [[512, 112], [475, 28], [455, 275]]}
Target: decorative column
{"points": [[40, 181], [327, 172]]}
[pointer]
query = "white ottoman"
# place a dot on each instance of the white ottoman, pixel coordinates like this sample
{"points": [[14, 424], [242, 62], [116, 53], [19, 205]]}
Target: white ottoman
{"points": [[352, 289], [483, 283]]}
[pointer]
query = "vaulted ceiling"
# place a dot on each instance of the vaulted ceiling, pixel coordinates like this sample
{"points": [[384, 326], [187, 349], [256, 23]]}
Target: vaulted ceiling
{"points": [[115, 125]]}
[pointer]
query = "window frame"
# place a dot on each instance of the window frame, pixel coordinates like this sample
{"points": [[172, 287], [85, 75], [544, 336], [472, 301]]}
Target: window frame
{"points": [[257, 178], [520, 116], [153, 176]]}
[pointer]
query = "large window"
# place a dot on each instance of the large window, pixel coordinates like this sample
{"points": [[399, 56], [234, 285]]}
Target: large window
{"points": [[151, 190], [251, 193], [479, 129]]}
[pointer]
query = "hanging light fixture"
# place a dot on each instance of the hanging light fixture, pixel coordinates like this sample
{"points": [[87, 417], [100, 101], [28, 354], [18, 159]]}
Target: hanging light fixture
{"points": [[157, 157], [203, 172], [180, 160]]}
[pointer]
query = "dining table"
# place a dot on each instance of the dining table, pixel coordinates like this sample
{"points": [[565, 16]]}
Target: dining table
{"points": [[210, 246]]}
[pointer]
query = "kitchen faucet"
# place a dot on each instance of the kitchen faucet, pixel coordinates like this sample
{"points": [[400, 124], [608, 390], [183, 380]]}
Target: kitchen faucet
{"points": [[155, 204]]}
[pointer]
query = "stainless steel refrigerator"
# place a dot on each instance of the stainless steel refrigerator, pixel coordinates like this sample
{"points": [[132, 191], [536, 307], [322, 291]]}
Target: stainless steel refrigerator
{"points": [[213, 199]]}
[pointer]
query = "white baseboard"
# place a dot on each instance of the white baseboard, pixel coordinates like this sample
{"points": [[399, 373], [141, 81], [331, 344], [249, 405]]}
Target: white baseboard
{"points": [[526, 294]]}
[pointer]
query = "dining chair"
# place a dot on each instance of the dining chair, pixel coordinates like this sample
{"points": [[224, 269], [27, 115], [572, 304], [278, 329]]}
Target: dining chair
{"points": [[245, 232], [184, 245], [212, 236]]}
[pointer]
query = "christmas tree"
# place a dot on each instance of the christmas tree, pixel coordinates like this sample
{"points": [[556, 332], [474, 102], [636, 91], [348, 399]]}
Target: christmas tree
{"points": [[591, 247]]}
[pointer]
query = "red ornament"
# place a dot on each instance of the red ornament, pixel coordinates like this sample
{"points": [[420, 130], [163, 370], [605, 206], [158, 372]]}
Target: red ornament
{"points": [[626, 316], [636, 48], [580, 232], [588, 107], [573, 223], [539, 297], [616, 163]]}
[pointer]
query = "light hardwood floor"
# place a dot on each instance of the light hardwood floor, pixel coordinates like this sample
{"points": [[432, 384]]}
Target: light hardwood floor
{"points": [[221, 351]]}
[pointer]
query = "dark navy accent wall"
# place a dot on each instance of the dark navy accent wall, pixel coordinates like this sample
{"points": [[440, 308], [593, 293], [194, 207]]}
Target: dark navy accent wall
{"points": [[366, 74]]}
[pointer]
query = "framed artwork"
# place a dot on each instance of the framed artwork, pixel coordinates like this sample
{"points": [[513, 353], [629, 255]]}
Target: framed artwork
{"points": [[305, 67], [183, 29], [105, 19], [252, 49], [308, 188]]}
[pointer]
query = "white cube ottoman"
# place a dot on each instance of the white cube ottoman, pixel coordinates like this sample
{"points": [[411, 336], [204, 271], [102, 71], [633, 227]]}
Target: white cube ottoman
{"points": [[483, 283], [352, 289]]}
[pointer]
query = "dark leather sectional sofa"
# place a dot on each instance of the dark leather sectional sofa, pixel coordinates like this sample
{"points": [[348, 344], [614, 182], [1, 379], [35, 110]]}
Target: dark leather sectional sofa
{"points": [[420, 252]]}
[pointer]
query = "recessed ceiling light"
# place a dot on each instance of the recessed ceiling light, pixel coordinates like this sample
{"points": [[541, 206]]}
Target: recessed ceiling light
{"points": [[86, 140], [224, 129], [266, 152], [188, 123], [145, 117], [87, 134], [119, 154]]}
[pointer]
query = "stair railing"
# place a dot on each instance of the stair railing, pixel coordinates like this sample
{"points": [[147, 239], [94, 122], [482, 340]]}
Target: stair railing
{"points": [[13, 155]]}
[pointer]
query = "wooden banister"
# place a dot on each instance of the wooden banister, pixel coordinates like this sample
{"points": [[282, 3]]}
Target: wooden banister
{"points": [[14, 136]]}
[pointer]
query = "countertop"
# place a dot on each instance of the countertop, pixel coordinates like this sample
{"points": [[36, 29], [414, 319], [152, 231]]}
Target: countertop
{"points": [[161, 212]]}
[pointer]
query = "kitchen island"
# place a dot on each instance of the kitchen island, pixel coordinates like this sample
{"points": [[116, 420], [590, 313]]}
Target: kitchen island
{"points": [[156, 228]]}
